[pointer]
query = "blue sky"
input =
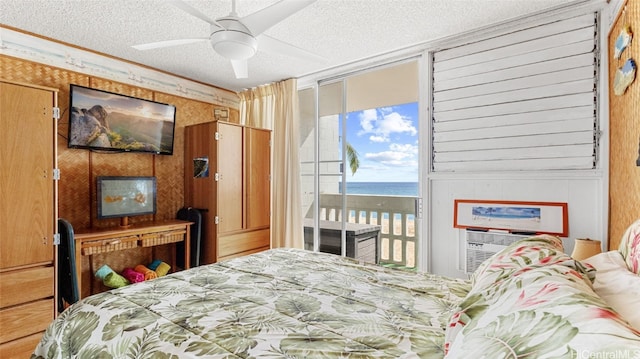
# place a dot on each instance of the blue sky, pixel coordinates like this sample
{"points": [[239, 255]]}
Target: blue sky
{"points": [[386, 140]]}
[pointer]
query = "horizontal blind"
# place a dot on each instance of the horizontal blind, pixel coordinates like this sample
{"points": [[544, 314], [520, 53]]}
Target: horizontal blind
{"points": [[525, 100]]}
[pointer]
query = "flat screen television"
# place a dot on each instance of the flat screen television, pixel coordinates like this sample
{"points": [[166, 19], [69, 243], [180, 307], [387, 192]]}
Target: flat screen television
{"points": [[125, 196], [101, 120]]}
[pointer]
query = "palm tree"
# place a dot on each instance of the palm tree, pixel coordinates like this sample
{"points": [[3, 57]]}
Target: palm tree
{"points": [[352, 156]]}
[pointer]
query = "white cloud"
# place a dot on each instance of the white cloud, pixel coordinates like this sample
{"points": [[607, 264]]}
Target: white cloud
{"points": [[399, 155], [367, 120], [374, 138], [387, 156], [394, 122], [407, 147], [383, 122]]}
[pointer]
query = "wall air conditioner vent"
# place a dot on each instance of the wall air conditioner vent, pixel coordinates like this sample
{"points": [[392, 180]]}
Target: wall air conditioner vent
{"points": [[480, 245]]}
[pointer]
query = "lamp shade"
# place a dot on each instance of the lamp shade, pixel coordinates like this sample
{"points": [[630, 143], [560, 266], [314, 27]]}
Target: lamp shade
{"points": [[585, 248]]}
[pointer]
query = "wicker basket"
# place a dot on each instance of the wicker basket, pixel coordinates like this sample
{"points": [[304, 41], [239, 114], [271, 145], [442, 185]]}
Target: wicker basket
{"points": [[109, 245], [155, 239]]}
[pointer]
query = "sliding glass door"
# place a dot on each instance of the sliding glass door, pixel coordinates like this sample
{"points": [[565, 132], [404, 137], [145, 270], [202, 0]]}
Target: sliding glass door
{"points": [[360, 165]]}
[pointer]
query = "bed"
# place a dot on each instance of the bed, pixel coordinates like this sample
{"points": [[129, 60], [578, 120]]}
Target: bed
{"points": [[529, 300]]}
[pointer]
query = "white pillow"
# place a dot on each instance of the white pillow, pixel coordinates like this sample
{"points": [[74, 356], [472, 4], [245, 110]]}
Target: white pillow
{"points": [[618, 286]]}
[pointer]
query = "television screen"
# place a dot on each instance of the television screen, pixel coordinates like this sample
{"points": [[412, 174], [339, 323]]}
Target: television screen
{"points": [[123, 196], [107, 121]]}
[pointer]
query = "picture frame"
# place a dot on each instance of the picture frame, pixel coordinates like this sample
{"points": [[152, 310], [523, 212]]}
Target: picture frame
{"points": [[124, 196], [512, 216], [221, 113]]}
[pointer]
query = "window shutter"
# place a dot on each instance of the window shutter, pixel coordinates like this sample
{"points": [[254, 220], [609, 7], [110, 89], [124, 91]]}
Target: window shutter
{"points": [[525, 100]]}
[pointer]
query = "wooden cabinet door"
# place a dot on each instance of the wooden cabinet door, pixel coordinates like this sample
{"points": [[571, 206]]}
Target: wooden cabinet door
{"points": [[258, 181], [230, 172], [27, 154], [200, 187], [200, 149]]}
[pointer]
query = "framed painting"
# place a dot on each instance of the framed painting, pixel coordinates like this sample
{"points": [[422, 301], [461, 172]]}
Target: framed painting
{"points": [[513, 216]]}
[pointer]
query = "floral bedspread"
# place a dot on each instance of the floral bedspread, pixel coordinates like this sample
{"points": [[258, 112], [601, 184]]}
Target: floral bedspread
{"points": [[282, 303]]}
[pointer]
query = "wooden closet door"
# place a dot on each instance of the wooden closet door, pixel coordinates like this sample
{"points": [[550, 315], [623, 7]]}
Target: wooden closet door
{"points": [[258, 181], [200, 191], [27, 131], [230, 170]]}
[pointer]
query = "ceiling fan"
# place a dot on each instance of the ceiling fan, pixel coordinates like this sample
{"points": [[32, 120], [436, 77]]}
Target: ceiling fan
{"points": [[238, 39]]}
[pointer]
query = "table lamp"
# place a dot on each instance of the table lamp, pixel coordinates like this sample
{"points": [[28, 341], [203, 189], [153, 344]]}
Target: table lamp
{"points": [[585, 248]]}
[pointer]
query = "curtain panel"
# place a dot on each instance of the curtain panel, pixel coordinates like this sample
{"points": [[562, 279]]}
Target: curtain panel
{"points": [[275, 107]]}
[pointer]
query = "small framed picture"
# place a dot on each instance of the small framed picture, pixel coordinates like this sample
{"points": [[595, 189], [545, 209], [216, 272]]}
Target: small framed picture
{"points": [[221, 113], [536, 217]]}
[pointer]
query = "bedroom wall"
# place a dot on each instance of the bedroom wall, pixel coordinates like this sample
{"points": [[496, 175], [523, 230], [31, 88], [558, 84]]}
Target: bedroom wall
{"points": [[585, 192], [624, 114], [79, 167]]}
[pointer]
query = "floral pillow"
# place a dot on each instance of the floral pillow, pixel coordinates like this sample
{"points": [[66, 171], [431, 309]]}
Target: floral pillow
{"points": [[517, 257], [533, 300], [619, 287], [630, 247]]}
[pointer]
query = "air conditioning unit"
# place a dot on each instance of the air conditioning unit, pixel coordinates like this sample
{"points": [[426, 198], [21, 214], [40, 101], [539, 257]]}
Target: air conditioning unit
{"points": [[480, 245]]}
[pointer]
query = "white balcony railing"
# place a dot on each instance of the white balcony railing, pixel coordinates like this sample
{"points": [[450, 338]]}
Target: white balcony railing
{"points": [[394, 214]]}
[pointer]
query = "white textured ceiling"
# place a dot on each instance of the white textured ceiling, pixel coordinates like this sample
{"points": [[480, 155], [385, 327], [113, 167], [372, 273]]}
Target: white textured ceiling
{"points": [[342, 31]]}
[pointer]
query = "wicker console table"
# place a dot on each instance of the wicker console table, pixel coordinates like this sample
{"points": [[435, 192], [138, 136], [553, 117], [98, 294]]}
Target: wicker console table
{"points": [[147, 234]]}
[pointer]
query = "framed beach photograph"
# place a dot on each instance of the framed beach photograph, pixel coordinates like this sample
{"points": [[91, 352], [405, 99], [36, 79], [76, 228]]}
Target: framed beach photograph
{"points": [[514, 216]]}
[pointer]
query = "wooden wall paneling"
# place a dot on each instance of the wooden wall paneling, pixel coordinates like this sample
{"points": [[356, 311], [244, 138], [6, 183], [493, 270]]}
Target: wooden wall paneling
{"points": [[74, 164], [624, 120], [34, 73], [234, 115], [73, 188], [170, 169]]}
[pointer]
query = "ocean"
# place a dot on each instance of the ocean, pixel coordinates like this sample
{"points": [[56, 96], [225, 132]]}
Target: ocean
{"points": [[383, 188]]}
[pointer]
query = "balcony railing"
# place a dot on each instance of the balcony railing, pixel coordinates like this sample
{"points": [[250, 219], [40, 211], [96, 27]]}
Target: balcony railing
{"points": [[394, 214]]}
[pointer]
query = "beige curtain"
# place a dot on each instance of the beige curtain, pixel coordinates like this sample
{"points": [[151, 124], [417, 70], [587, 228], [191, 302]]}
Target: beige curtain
{"points": [[275, 107]]}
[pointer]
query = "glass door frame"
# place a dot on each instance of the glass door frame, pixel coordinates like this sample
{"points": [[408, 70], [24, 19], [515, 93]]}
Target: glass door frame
{"points": [[424, 163]]}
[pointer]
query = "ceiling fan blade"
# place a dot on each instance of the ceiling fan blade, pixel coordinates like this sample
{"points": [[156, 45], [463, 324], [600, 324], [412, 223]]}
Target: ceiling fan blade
{"points": [[261, 20], [240, 68], [269, 44], [168, 43], [192, 11]]}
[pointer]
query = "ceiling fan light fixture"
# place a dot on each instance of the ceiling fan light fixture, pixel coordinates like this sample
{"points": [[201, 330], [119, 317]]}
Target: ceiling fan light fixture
{"points": [[234, 45]]}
